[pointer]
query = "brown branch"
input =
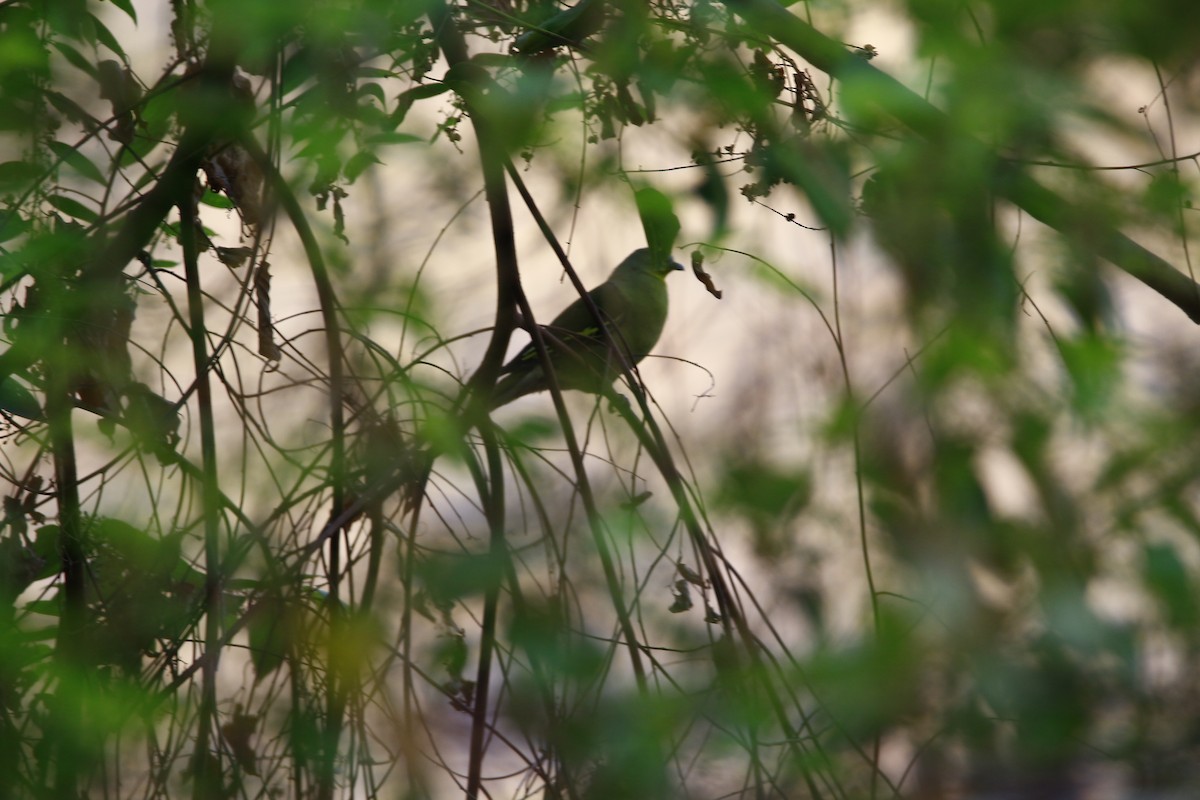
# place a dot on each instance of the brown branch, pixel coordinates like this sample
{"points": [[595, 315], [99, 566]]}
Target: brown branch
{"points": [[68, 708], [469, 81], [207, 765]]}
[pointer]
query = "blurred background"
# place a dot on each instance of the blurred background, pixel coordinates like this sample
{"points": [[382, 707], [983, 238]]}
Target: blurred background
{"points": [[903, 504]]}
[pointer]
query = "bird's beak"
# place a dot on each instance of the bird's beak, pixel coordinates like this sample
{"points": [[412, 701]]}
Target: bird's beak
{"points": [[676, 265]]}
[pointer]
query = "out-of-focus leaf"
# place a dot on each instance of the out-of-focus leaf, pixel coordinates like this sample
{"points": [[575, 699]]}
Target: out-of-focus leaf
{"points": [[16, 399], [50, 607], [77, 161], [493, 60], [127, 7], [1093, 364], [214, 200], [450, 577], [1166, 194], [272, 629], [405, 100], [565, 102], [106, 38], [358, 163], [1167, 578], [76, 58], [70, 109], [713, 192], [763, 490], [156, 114], [72, 207], [17, 174], [297, 70], [658, 220], [372, 90], [12, 225], [393, 137], [568, 27]]}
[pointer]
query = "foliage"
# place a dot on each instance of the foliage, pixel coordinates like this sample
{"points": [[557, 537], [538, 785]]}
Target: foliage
{"points": [[262, 537]]}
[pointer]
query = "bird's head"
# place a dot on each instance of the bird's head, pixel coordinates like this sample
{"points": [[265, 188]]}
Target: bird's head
{"points": [[644, 262]]}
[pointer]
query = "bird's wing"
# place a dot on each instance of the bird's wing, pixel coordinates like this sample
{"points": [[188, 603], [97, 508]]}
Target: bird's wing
{"points": [[575, 325], [578, 318]]}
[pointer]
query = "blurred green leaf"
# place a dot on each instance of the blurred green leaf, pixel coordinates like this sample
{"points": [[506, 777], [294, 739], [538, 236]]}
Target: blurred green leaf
{"points": [[358, 163], [214, 200], [49, 608], [76, 58], [272, 633], [72, 207], [15, 175], [393, 137], [1168, 579], [77, 161], [448, 578], [106, 37], [1093, 365], [12, 225], [760, 489], [16, 399], [127, 7], [657, 213], [569, 27]]}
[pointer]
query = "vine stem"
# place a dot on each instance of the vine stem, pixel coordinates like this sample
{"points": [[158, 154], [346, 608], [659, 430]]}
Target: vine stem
{"points": [[207, 763], [338, 516], [69, 706]]}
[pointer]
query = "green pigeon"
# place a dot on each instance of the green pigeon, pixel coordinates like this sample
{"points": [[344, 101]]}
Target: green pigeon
{"points": [[633, 305]]}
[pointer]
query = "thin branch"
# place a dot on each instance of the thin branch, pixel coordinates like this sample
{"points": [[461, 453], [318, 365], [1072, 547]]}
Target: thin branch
{"points": [[207, 765]]}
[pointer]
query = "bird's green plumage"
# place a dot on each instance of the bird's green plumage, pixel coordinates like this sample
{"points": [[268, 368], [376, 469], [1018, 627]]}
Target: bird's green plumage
{"points": [[633, 304]]}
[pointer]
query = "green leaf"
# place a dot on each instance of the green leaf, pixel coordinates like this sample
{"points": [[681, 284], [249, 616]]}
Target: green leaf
{"points": [[426, 90], [76, 58], [1166, 194], [566, 28], [17, 174], [12, 225], [358, 163], [77, 161], [405, 100], [51, 607], [714, 193], [214, 200], [45, 545], [69, 108], [156, 114], [394, 137], [565, 102], [1168, 579], [138, 548], [764, 491], [373, 90], [375, 72], [658, 220], [298, 69], [16, 399], [106, 38], [73, 208], [494, 60], [127, 7], [271, 630], [1093, 364]]}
